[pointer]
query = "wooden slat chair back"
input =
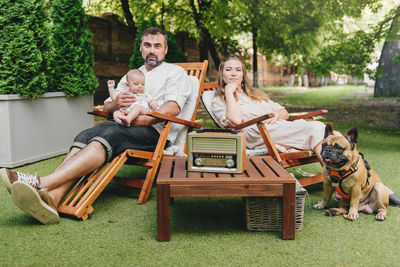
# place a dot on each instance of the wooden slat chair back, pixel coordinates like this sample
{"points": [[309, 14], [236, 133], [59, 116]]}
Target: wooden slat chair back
{"points": [[286, 159], [78, 202], [198, 70]]}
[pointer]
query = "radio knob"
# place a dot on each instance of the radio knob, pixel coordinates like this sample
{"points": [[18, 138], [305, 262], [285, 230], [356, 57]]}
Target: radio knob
{"points": [[198, 161], [230, 163]]}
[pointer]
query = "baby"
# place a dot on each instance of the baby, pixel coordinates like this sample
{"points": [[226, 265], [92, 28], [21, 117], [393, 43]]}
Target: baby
{"points": [[144, 102]]}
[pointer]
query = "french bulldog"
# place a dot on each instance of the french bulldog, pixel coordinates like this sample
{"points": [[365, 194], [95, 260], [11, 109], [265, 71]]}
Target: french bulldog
{"points": [[358, 186]]}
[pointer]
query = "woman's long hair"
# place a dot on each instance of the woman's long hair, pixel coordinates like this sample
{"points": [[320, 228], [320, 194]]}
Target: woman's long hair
{"points": [[253, 93]]}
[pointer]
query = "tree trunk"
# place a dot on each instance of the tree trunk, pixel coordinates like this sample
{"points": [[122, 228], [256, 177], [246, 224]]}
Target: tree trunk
{"points": [[388, 74], [322, 81], [299, 81], [203, 50], [162, 15], [305, 80], [317, 80], [326, 80], [291, 79], [129, 18], [205, 34], [255, 59], [211, 47], [305, 77]]}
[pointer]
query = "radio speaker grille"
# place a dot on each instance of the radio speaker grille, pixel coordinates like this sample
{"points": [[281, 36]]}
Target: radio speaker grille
{"points": [[222, 145]]}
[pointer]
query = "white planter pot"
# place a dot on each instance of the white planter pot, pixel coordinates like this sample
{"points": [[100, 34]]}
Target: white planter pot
{"points": [[32, 130]]}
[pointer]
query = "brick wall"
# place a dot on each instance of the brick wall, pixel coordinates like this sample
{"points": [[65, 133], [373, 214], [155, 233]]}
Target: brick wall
{"points": [[112, 48], [269, 74]]}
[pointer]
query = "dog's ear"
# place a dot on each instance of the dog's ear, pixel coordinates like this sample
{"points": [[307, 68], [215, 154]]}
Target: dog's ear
{"points": [[328, 130], [352, 135]]}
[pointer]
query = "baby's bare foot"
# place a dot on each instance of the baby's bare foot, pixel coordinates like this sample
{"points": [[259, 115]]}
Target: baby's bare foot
{"points": [[117, 120], [126, 122]]}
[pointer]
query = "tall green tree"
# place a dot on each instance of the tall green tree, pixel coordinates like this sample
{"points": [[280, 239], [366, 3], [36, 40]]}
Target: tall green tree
{"points": [[73, 51], [129, 18], [252, 14], [208, 21], [349, 52], [295, 30], [199, 10], [24, 48]]}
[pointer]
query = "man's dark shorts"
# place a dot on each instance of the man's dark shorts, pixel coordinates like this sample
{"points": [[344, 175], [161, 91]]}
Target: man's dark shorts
{"points": [[117, 138]]}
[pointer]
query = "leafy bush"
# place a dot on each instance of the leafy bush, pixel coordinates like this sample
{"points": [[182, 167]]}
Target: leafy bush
{"points": [[24, 48], [73, 59]]}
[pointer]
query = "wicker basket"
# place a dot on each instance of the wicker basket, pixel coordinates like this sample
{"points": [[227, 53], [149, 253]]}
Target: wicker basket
{"points": [[265, 213]]}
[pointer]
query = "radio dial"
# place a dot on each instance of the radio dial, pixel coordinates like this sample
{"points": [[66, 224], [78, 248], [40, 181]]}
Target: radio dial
{"points": [[198, 161], [230, 163]]}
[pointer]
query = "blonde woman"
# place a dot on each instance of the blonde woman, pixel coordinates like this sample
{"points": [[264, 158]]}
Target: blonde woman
{"points": [[237, 102]]}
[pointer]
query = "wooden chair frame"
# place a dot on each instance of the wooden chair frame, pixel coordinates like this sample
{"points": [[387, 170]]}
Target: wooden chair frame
{"points": [[78, 202], [286, 159]]}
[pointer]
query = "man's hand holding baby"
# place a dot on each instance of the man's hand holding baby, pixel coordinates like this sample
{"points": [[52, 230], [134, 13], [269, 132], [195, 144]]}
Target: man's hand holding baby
{"points": [[124, 100]]}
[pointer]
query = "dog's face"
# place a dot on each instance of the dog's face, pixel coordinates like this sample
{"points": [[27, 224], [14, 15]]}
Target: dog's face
{"points": [[339, 151]]}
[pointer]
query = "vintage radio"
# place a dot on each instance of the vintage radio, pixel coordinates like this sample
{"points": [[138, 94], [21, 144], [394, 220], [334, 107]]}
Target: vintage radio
{"points": [[216, 150]]}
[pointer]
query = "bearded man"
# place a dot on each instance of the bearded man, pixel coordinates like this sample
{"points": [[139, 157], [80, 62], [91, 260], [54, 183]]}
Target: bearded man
{"points": [[91, 148]]}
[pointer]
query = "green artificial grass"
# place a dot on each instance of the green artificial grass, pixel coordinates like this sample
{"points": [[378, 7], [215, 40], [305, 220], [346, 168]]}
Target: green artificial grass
{"points": [[205, 231]]}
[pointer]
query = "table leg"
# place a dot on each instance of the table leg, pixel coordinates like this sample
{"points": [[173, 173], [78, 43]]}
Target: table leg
{"points": [[289, 211], [163, 212]]}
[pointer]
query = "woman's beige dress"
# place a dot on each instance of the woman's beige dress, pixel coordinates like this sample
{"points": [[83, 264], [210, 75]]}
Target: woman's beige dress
{"points": [[299, 134]]}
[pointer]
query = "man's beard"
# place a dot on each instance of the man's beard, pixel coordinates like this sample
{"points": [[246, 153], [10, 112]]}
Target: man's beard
{"points": [[152, 63]]}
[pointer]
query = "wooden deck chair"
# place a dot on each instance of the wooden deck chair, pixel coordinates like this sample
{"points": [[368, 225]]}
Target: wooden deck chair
{"points": [[286, 159], [78, 202]]}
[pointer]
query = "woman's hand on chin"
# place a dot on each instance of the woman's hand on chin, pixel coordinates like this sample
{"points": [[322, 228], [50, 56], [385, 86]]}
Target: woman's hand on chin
{"points": [[231, 88]]}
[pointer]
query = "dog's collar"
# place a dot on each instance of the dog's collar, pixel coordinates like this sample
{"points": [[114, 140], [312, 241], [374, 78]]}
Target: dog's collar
{"points": [[339, 176]]}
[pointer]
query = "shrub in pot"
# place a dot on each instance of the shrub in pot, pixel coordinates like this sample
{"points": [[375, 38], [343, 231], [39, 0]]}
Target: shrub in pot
{"points": [[73, 58], [36, 121], [24, 48]]}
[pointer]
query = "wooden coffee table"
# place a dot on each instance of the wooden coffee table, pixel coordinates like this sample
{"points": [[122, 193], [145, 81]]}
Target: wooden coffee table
{"points": [[263, 177]]}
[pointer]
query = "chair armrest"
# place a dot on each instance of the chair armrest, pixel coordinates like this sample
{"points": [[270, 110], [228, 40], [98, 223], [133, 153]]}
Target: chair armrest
{"points": [[100, 113], [253, 121], [153, 114], [309, 115], [163, 116]]}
